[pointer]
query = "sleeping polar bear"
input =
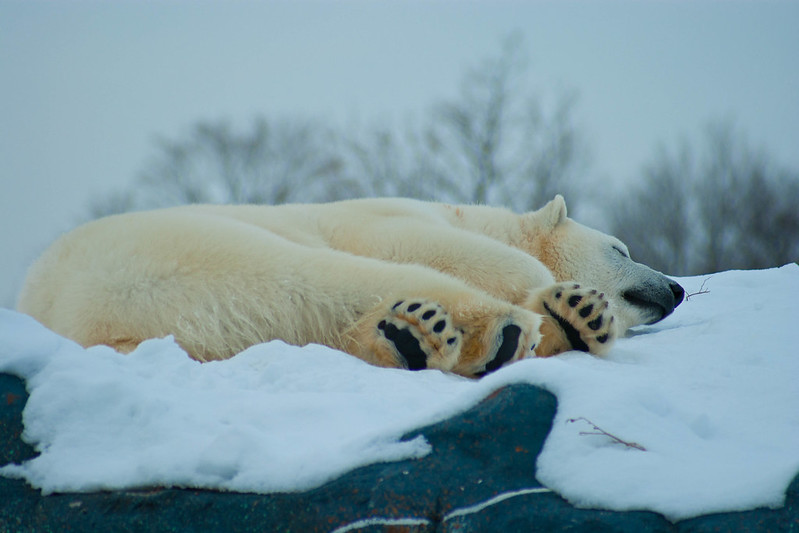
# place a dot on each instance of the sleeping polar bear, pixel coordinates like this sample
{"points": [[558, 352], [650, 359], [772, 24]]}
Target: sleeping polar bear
{"points": [[395, 282]]}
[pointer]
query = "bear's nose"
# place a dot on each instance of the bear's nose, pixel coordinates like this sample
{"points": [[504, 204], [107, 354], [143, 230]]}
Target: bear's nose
{"points": [[677, 291]]}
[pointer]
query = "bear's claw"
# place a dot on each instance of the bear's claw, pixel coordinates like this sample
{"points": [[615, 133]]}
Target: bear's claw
{"points": [[422, 334], [575, 318]]}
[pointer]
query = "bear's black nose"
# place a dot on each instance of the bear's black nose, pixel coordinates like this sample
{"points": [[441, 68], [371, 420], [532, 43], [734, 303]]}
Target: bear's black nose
{"points": [[677, 291], [656, 300]]}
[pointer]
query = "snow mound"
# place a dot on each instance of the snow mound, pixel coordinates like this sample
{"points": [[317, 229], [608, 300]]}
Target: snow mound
{"points": [[710, 394]]}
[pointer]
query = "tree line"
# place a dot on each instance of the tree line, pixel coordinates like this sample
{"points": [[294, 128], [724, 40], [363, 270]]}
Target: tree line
{"points": [[721, 205]]}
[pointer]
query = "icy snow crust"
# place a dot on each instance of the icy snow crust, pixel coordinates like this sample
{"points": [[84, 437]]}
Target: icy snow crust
{"points": [[712, 393]]}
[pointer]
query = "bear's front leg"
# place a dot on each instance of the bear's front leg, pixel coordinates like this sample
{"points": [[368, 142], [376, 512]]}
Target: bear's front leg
{"points": [[574, 318], [470, 335]]}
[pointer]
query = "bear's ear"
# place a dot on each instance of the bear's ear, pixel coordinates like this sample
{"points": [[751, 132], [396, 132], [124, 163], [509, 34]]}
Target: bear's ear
{"points": [[553, 213]]}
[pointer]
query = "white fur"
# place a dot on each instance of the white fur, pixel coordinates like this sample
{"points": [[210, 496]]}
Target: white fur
{"points": [[221, 278]]}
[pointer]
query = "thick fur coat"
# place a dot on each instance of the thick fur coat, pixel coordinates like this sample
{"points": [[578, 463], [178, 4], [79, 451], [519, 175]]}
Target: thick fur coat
{"points": [[396, 282]]}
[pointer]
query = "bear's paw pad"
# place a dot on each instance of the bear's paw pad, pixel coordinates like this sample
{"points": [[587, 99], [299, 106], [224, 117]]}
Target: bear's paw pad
{"points": [[422, 334], [583, 314]]}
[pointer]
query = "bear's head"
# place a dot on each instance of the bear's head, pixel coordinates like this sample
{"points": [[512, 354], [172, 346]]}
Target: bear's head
{"points": [[574, 252]]}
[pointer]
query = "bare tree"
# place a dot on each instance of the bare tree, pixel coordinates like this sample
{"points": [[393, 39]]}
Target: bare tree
{"points": [[497, 144], [729, 207], [387, 162], [494, 144], [272, 162], [112, 204]]}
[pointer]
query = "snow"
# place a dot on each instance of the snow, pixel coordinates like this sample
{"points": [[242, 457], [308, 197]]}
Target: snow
{"points": [[711, 393]]}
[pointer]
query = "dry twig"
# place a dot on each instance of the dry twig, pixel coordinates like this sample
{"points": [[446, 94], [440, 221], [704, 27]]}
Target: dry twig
{"points": [[702, 290], [599, 431]]}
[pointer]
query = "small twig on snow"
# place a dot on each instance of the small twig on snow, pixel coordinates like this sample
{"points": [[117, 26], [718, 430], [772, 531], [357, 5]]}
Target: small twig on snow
{"points": [[600, 431], [702, 290]]}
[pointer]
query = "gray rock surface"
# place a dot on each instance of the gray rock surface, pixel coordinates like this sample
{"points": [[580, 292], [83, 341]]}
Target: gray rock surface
{"points": [[479, 477]]}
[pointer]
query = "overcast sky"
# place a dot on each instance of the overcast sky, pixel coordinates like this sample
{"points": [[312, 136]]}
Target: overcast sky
{"points": [[85, 87]]}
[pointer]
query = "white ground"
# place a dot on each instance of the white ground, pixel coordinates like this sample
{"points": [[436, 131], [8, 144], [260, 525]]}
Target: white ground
{"points": [[711, 393]]}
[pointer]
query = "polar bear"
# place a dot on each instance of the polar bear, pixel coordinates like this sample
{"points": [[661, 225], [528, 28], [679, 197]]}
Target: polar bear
{"points": [[396, 282]]}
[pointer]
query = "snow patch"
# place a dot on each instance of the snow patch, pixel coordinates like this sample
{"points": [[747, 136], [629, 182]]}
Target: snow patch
{"points": [[710, 392]]}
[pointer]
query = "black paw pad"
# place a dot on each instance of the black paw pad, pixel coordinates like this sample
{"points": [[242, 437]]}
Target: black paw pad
{"points": [[510, 341], [406, 344], [429, 314], [439, 326], [414, 307], [602, 338], [596, 323], [585, 311], [571, 332], [574, 300]]}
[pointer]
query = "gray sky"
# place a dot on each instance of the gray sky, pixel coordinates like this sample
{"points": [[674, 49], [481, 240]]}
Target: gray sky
{"points": [[85, 87]]}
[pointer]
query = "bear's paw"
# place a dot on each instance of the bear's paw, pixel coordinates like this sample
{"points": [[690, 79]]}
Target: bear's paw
{"points": [[575, 318], [422, 334]]}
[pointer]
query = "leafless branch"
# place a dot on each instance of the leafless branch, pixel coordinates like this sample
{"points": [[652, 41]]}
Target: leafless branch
{"points": [[702, 290], [599, 431]]}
